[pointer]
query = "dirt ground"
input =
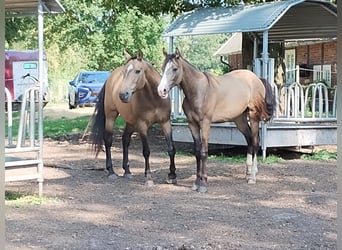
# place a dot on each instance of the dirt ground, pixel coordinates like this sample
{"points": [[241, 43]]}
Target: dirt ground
{"points": [[292, 205]]}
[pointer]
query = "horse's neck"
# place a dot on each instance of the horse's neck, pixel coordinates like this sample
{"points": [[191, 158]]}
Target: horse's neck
{"points": [[152, 78], [194, 82]]}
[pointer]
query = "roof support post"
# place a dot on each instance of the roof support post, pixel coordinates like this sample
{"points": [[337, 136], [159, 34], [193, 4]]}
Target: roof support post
{"points": [[41, 88], [255, 49], [170, 44], [265, 54]]}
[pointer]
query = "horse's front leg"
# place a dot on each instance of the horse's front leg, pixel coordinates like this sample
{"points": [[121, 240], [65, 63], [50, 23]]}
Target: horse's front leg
{"points": [[167, 129], [203, 178], [195, 132], [126, 140], [146, 154]]}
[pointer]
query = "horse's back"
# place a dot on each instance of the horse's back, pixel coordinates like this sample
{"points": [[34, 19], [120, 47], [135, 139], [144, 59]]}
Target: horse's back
{"points": [[235, 92], [241, 82]]}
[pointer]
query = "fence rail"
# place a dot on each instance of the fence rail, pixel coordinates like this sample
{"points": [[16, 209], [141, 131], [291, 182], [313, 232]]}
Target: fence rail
{"points": [[23, 153]]}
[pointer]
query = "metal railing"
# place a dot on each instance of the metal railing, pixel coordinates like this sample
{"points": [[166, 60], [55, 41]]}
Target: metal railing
{"points": [[312, 103], [23, 154]]}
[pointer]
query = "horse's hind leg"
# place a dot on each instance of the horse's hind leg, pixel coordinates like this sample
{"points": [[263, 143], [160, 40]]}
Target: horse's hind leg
{"points": [[250, 132], [146, 154], [254, 125], [108, 140], [166, 127], [126, 140]]}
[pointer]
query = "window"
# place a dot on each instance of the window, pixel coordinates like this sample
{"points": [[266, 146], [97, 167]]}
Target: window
{"points": [[317, 70], [327, 74], [290, 64], [322, 73]]}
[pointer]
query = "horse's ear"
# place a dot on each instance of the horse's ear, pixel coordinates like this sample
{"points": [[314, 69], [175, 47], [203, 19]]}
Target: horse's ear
{"points": [[177, 53], [127, 56], [140, 55], [164, 52]]}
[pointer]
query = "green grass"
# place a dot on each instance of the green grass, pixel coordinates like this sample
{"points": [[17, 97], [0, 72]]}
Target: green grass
{"points": [[20, 199], [60, 127], [322, 155], [242, 158], [56, 128]]}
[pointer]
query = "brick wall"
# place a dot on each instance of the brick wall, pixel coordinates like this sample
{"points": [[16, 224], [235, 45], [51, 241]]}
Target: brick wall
{"points": [[308, 55], [321, 53]]}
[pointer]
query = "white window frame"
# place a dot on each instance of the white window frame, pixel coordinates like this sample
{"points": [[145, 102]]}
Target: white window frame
{"points": [[327, 74], [322, 72], [317, 73], [290, 64]]}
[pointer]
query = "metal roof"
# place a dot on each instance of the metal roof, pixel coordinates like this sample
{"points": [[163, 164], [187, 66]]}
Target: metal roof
{"points": [[284, 20], [30, 7]]}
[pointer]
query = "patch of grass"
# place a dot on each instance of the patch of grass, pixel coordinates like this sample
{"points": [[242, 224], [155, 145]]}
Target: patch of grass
{"points": [[20, 199], [179, 120], [183, 153], [322, 155], [272, 159], [60, 127], [225, 158], [56, 128], [242, 158]]}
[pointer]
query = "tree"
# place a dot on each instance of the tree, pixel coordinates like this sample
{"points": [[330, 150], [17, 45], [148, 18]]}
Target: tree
{"points": [[199, 51]]}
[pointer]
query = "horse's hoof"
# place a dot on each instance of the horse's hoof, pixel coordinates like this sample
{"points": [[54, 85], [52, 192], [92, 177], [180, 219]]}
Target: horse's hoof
{"points": [[171, 181], [112, 176], [202, 189], [251, 181], [194, 187], [149, 183], [128, 176]]}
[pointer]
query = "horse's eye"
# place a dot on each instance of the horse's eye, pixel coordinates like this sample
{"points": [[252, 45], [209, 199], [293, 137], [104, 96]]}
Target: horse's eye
{"points": [[175, 69], [137, 71]]}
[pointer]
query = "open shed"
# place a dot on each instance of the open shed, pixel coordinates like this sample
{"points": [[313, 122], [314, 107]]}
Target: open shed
{"points": [[269, 22], [266, 22]]}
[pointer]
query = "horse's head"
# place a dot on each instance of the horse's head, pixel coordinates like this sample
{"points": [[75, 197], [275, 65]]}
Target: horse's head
{"points": [[133, 76], [172, 73]]}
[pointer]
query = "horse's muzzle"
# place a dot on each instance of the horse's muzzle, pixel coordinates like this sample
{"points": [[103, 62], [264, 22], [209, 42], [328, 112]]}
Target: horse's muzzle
{"points": [[125, 96], [163, 93]]}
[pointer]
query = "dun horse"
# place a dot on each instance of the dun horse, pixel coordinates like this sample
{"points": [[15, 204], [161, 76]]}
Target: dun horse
{"points": [[131, 91], [238, 96]]}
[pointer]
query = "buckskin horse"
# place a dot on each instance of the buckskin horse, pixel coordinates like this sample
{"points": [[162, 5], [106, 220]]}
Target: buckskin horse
{"points": [[238, 96], [131, 92]]}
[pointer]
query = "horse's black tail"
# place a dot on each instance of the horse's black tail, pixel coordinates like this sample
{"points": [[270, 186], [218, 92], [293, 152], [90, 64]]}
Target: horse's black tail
{"points": [[269, 98], [98, 123]]}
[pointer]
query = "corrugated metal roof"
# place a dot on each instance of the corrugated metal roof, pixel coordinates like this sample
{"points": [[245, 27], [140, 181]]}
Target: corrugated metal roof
{"points": [[292, 19], [30, 7]]}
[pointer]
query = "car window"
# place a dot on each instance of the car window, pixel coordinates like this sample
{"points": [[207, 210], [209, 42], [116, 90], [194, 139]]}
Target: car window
{"points": [[94, 77]]}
